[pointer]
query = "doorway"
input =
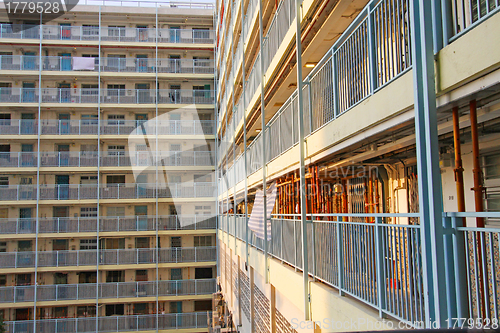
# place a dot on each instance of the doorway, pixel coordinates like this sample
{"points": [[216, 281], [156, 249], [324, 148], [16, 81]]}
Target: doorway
{"points": [[28, 92], [27, 123], [64, 93], [27, 157], [142, 63], [62, 185], [141, 213], [29, 61], [65, 61], [63, 155]]}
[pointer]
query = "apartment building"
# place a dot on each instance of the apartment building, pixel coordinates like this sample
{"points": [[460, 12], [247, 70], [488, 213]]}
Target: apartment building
{"points": [[107, 187], [381, 137]]}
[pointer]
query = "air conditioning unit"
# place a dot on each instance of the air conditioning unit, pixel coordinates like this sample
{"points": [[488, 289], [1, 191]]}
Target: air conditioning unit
{"points": [[130, 92]]}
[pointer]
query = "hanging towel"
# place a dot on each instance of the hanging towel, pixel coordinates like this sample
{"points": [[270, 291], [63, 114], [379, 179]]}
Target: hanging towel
{"points": [[83, 63], [256, 220]]}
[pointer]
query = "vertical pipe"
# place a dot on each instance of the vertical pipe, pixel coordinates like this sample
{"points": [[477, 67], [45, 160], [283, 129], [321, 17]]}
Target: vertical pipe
{"points": [[459, 170], [37, 210], [156, 171], [263, 138], [478, 199], [243, 75], [303, 202], [98, 172], [477, 173]]}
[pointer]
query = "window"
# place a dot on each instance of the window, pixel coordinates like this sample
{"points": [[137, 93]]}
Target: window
{"points": [[203, 178], [116, 150], [5, 119], [3, 246], [89, 119], [116, 119], [141, 308], [3, 280], [201, 33], [90, 90], [60, 245], [491, 171], [142, 243], [141, 275], [202, 305], [88, 212], [202, 210], [113, 243], [88, 180], [116, 89], [90, 30], [116, 211], [115, 276], [202, 241], [203, 273], [116, 31], [88, 244], [86, 311], [115, 179], [4, 181], [115, 310], [23, 246], [5, 88], [201, 61]]}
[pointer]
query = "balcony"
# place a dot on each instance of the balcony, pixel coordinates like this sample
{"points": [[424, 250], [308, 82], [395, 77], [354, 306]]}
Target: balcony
{"points": [[108, 34], [107, 257], [82, 291], [113, 324], [108, 159], [106, 224], [115, 127], [109, 65], [107, 96], [115, 191]]}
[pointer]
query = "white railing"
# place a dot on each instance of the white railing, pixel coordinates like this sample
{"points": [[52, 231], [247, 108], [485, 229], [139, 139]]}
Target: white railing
{"points": [[106, 257], [112, 191], [9, 226], [112, 324], [108, 96], [81, 291], [108, 159], [108, 34]]}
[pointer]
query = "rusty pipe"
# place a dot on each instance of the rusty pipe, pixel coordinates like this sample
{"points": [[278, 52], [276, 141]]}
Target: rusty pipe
{"points": [[476, 171], [459, 170]]}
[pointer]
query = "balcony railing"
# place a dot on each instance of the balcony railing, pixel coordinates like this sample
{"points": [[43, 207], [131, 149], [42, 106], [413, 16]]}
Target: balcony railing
{"points": [[112, 324], [108, 127], [10, 226], [379, 262], [82, 291], [108, 96], [115, 191], [108, 34], [108, 159], [108, 64], [106, 257]]}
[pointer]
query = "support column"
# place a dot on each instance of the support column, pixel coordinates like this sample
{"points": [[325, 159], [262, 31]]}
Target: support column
{"points": [[98, 170], [263, 139], [429, 185], [252, 300], [156, 159], [303, 202]]}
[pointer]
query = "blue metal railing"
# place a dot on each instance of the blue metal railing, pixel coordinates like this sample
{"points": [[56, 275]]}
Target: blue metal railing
{"points": [[379, 262]]}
